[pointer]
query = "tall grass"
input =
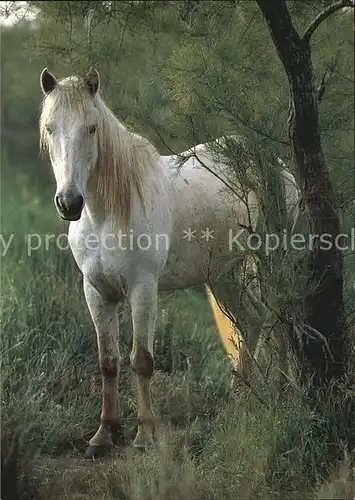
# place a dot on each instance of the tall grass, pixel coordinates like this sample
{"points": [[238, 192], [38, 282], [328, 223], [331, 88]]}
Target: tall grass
{"points": [[210, 446]]}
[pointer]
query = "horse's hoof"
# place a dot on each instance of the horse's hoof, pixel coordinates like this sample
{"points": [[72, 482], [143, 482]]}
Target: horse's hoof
{"points": [[142, 450], [96, 452], [144, 446]]}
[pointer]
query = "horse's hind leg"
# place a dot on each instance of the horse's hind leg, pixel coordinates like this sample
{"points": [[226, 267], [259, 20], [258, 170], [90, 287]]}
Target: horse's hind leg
{"points": [[105, 318], [143, 298]]}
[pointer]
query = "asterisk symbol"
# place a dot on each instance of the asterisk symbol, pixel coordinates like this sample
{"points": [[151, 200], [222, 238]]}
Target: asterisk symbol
{"points": [[208, 234], [189, 234]]}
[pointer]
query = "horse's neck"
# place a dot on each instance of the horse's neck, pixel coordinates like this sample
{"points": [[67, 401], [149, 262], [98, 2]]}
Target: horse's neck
{"points": [[158, 184]]}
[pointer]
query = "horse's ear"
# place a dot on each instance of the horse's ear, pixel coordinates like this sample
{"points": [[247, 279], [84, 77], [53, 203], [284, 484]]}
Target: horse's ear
{"points": [[92, 80], [48, 81]]}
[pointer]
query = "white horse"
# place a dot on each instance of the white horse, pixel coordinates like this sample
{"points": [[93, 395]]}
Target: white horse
{"points": [[138, 225]]}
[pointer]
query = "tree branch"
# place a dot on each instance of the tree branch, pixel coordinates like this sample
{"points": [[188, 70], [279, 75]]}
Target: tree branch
{"points": [[328, 73], [323, 15]]}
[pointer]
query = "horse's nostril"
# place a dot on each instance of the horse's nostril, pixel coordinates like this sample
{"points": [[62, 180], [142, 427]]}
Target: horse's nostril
{"points": [[69, 205], [59, 202], [77, 205], [80, 202]]}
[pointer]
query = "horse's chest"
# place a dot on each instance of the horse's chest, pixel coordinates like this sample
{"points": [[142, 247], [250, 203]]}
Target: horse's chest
{"points": [[96, 260]]}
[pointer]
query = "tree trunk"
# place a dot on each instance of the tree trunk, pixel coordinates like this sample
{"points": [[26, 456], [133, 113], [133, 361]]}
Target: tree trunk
{"points": [[325, 358]]}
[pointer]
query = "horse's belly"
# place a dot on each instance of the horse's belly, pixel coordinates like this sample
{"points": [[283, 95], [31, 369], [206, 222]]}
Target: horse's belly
{"points": [[197, 257], [181, 271]]}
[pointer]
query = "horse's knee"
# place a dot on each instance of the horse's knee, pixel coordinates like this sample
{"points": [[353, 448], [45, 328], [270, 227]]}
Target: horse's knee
{"points": [[109, 367], [142, 362]]}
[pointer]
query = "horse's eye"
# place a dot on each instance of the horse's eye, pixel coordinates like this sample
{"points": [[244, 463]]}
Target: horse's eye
{"points": [[92, 129], [49, 130]]}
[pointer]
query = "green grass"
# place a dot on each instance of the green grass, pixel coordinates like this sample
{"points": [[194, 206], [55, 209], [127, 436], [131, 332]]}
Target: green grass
{"points": [[211, 445]]}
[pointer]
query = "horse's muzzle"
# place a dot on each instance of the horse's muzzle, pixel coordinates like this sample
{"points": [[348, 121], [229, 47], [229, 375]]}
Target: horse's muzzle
{"points": [[69, 209]]}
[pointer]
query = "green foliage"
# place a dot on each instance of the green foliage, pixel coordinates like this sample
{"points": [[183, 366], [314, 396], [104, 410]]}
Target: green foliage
{"points": [[20, 95], [210, 445], [180, 73]]}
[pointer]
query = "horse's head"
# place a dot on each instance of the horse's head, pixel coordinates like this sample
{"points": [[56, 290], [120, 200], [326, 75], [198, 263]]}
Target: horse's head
{"points": [[68, 128]]}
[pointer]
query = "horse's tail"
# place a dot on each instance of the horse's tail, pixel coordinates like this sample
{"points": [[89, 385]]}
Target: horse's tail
{"points": [[227, 331]]}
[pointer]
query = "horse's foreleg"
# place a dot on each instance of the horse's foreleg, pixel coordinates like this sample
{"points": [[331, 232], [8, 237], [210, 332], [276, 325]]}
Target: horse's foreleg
{"points": [[143, 298], [105, 318]]}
